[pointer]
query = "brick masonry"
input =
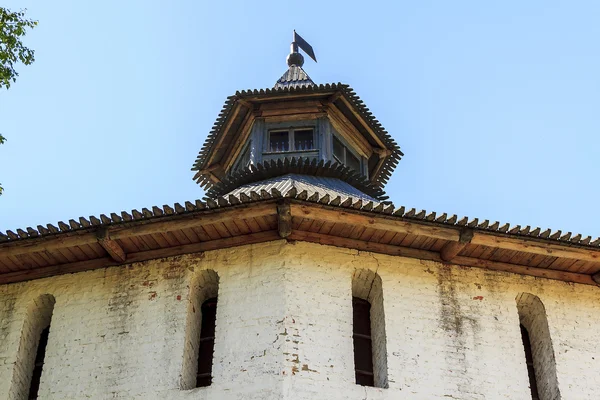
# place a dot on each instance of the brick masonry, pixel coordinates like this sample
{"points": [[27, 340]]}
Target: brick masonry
{"points": [[284, 328]]}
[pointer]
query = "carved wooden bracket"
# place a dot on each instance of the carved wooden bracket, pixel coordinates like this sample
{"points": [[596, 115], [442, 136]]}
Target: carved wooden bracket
{"points": [[284, 219], [115, 251], [451, 250]]}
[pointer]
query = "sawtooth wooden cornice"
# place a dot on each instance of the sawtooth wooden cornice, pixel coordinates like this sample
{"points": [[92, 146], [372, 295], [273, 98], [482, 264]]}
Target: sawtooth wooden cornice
{"points": [[338, 102], [263, 216]]}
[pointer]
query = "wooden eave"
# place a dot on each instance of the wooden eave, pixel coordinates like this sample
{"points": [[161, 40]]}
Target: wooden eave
{"points": [[293, 104], [312, 217]]}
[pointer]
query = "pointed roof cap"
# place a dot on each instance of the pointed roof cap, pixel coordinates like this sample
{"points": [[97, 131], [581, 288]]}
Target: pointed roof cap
{"points": [[294, 77]]}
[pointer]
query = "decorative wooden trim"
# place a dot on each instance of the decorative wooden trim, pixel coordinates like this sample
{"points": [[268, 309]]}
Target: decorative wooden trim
{"points": [[115, 251], [451, 249], [143, 228], [80, 266], [230, 120]]}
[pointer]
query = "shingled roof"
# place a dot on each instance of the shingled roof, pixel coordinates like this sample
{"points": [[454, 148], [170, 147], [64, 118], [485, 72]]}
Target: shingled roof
{"points": [[253, 215], [346, 92], [294, 77]]}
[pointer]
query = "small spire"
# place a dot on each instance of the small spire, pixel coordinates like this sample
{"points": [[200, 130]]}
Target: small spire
{"points": [[295, 58], [295, 76]]}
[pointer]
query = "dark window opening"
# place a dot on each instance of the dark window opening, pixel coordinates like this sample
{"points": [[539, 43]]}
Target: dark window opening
{"points": [[39, 365], [529, 362], [303, 139], [338, 150], [343, 155], [279, 141], [352, 162], [291, 140], [207, 343], [363, 347]]}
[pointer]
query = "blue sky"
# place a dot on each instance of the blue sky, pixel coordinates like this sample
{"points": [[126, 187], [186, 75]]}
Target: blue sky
{"points": [[496, 106]]}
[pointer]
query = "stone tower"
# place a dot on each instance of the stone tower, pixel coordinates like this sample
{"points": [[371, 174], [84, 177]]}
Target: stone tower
{"points": [[297, 278]]}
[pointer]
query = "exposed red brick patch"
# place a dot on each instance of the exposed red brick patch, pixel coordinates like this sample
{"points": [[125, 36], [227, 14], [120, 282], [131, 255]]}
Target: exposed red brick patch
{"points": [[478, 298]]}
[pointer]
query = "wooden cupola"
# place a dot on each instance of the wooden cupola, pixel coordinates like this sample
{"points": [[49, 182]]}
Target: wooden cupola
{"points": [[296, 127]]}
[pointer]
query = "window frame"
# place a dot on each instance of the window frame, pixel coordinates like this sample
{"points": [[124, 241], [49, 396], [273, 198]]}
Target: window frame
{"points": [[347, 148], [362, 376], [291, 142], [206, 357]]}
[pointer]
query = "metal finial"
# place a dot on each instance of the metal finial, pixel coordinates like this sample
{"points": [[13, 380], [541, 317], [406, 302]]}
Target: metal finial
{"points": [[295, 58]]}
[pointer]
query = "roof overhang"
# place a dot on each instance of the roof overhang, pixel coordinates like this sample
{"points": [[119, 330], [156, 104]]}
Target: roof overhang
{"points": [[338, 102], [312, 217]]}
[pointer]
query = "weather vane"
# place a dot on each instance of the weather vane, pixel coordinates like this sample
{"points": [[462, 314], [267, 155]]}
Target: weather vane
{"points": [[295, 58]]}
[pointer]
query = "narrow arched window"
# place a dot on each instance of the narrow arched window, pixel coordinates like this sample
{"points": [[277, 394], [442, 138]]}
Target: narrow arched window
{"points": [[537, 346], [363, 346], [529, 362], [39, 364], [368, 333], [200, 331], [207, 343], [28, 374]]}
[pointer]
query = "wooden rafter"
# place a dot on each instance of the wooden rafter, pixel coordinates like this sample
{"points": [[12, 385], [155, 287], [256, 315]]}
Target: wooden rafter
{"points": [[451, 249], [114, 250]]}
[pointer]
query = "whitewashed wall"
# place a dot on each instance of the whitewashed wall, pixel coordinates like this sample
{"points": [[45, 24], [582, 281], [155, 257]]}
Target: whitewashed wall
{"points": [[284, 329]]}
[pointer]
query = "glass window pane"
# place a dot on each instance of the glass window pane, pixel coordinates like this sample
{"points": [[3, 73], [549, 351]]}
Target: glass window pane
{"points": [[278, 141], [338, 149], [303, 139], [352, 162]]}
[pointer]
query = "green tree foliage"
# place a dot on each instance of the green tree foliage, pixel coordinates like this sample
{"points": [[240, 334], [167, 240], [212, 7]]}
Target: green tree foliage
{"points": [[13, 26]]}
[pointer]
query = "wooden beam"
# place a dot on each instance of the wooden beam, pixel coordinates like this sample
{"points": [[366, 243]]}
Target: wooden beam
{"points": [[433, 256], [284, 220], [294, 117], [19, 276], [596, 277], [363, 246], [289, 95], [536, 247], [349, 131], [137, 228], [374, 222], [113, 249], [252, 211], [236, 148], [451, 249], [524, 270], [363, 122]]}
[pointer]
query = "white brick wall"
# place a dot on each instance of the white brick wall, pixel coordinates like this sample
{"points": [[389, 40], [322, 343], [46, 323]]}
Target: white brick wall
{"points": [[284, 328], [532, 315]]}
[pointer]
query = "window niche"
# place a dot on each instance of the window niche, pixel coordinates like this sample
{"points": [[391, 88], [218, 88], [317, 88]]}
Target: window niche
{"points": [[200, 331], [368, 322], [537, 346], [32, 348]]}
